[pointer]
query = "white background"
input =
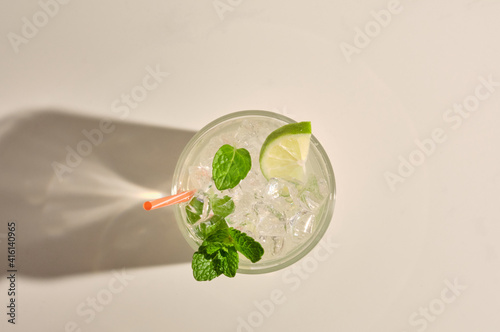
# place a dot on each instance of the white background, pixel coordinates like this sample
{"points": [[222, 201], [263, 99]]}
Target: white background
{"points": [[373, 90]]}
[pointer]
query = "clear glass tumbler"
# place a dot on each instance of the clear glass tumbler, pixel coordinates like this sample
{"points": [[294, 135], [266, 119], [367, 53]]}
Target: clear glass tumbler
{"points": [[321, 167]]}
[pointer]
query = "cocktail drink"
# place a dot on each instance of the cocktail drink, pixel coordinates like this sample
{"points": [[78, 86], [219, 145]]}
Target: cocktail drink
{"points": [[285, 209]]}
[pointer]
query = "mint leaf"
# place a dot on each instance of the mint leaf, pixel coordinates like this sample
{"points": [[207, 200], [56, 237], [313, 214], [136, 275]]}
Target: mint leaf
{"points": [[210, 248], [230, 166], [226, 262], [245, 244], [219, 235], [218, 241], [194, 210], [222, 206], [203, 268]]}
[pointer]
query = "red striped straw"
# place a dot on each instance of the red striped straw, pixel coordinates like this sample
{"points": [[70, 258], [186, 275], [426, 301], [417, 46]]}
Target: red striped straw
{"points": [[169, 200]]}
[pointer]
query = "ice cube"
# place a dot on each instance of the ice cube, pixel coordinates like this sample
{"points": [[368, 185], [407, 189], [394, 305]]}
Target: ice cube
{"points": [[273, 188], [314, 193], [237, 194], [222, 139], [311, 201], [261, 209], [246, 136], [271, 228], [242, 216], [302, 225], [205, 212], [266, 242], [253, 183], [245, 131], [279, 195], [281, 187], [200, 178], [273, 245], [206, 155], [269, 221], [323, 188], [278, 244]]}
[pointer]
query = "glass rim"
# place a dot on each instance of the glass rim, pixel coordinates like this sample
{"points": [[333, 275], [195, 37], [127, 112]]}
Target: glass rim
{"points": [[295, 254]]}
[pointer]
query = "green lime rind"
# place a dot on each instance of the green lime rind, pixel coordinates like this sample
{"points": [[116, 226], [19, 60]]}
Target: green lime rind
{"points": [[289, 129]]}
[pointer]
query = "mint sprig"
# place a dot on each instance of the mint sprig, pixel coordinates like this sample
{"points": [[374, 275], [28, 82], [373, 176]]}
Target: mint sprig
{"points": [[230, 166], [218, 254]]}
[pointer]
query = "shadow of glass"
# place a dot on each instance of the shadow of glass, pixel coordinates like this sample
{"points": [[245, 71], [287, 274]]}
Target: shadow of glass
{"points": [[74, 218]]}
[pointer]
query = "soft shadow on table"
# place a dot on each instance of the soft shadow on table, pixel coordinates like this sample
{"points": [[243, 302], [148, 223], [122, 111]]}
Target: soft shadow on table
{"points": [[90, 217]]}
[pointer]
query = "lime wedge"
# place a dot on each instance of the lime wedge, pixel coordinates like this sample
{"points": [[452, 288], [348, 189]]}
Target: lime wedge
{"points": [[284, 152]]}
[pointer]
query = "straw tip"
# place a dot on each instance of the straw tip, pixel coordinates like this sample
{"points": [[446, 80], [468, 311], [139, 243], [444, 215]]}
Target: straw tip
{"points": [[147, 206]]}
